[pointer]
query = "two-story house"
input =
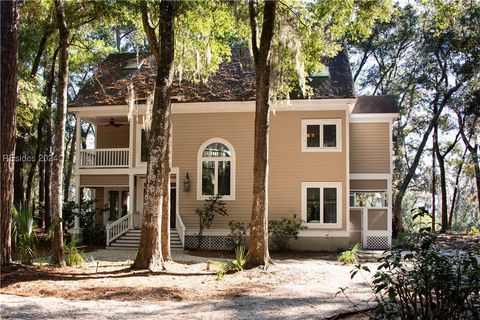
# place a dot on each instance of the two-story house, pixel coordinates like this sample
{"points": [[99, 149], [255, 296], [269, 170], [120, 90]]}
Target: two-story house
{"points": [[330, 155]]}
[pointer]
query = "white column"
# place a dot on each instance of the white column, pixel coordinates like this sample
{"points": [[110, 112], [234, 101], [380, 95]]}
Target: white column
{"points": [[76, 220], [131, 123], [78, 128], [131, 193], [389, 211]]}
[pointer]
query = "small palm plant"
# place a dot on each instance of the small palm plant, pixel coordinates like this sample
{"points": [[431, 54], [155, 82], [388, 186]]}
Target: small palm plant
{"points": [[349, 256], [74, 256], [23, 232]]}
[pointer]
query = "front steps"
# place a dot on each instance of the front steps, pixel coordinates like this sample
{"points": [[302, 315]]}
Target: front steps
{"points": [[131, 240]]}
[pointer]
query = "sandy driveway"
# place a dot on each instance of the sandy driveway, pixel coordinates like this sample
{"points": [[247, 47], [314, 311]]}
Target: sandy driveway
{"points": [[294, 288]]}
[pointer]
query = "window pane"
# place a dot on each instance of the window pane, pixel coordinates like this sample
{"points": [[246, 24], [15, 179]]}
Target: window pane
{"points": [[224, 177], [330, 135], [329, 205], [208, 177], [144, 147], [313, 136], [313, 205], [216, 149]]}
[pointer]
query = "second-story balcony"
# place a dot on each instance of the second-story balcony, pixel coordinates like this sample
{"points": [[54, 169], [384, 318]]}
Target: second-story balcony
{"points": [[107, 142], [104, 158]]}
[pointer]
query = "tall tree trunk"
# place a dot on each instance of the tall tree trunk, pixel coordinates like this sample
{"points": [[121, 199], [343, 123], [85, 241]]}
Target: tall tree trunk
{"points": [[41, 191], [443, 190], [455, 190], [48, 180], [68, 173], [9, 21], [149, 254], [47, 187], [258, 253], [434, 185], [476, 166], [58, 254], [18, 177], [33, 166], [397, 208]]}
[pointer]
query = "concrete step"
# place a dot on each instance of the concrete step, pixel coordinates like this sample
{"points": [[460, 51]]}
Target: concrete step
{"points": [[131, 240]]}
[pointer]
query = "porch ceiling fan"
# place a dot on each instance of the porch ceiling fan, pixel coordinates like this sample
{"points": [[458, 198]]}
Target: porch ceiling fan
{"points": [[111, 123]]}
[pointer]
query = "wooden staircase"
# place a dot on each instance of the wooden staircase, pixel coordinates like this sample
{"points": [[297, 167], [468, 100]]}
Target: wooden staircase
{"points": [[131, 240]]}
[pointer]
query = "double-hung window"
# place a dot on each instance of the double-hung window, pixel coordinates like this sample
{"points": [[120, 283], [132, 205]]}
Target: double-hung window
{"points": [[216, 170], [322, 204], [321, 135]]}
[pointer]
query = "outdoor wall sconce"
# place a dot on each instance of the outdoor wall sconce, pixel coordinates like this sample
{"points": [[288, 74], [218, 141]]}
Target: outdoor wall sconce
{"points": [[186, 183]]}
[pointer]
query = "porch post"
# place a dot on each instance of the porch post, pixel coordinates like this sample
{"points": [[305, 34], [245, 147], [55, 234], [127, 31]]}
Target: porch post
{"points": [[77, 232], [389, 211], [131, 193], [78, 128]]}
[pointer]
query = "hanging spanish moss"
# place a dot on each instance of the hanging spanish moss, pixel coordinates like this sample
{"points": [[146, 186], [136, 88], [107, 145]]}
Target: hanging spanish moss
{"points": [[131, 101]]}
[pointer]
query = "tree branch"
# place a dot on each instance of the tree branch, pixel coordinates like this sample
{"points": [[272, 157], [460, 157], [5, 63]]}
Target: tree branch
{"points": [[149, 30]]}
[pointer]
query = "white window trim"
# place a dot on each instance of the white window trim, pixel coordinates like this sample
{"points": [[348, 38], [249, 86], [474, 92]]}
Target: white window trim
{"points": [[322, 185], [321, 123], [138, 148], [232, 160]]}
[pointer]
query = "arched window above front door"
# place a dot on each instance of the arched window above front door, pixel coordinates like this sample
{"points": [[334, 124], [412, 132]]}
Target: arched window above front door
{"points": [[216, 169]]}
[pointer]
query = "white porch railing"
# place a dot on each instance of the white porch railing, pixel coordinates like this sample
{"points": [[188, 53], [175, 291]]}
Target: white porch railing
{"points": [[180, 228], [119, 227], [112, 157]]}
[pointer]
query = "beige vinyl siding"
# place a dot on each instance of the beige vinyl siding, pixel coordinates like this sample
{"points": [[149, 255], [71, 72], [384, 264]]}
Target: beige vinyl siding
{"points": [[112, 137], [368, 185], [370, 148], [377, 219], [288, 165], [104, 180]]}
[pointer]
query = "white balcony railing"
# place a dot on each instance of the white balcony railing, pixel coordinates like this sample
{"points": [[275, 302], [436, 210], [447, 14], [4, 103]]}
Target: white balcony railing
{"points": [[105, 158]]}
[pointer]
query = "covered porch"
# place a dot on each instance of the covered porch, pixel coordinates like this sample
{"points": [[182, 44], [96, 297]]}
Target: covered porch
{"points": [[370, 222], [118, 204], [107, 144]]}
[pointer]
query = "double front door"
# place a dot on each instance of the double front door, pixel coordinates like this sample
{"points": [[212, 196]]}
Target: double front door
{"points": [[137, 221]]}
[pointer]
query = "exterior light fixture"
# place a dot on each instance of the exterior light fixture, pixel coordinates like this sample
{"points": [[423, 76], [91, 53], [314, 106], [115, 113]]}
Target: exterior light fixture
{"points": [[186, 183]]}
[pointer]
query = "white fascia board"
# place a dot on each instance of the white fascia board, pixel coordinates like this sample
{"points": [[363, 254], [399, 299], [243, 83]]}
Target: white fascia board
{"points": [[370, 176], [373, 117], [224, 106]]}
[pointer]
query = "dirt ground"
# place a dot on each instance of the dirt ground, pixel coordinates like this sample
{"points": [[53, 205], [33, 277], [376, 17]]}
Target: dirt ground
{"points": [[297, 286]]}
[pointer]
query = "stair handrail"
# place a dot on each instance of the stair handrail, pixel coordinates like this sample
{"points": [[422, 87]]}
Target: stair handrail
{"points": [[181, 230], [118, 227]]}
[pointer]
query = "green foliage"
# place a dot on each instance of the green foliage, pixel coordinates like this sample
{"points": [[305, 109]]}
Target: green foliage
{"points": [[93, 233], [231, 266], [212, 206], [283, 230], [74, 257], [474, 231], [427, 283], [23, 232], [238, 232], [349, 256]]}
